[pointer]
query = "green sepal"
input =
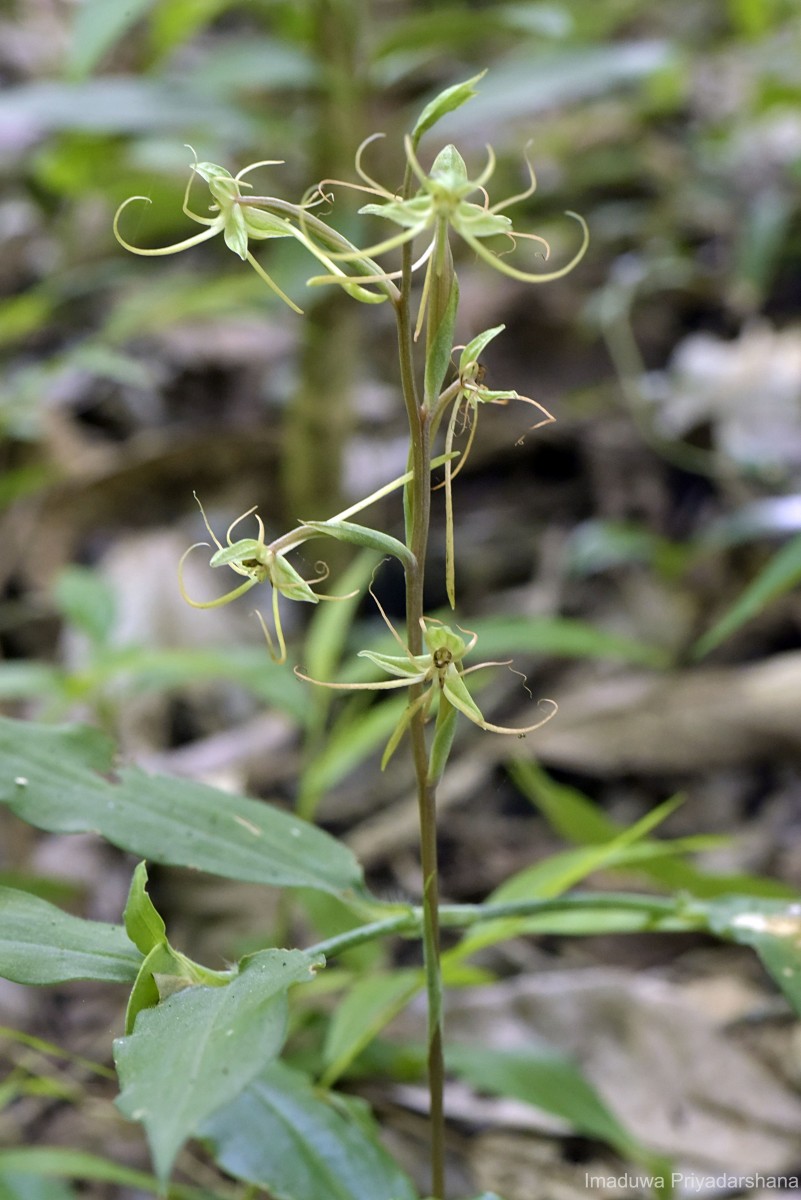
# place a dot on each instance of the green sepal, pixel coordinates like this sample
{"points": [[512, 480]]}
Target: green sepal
{"points": [[406, 213], [476, 346], [235, 231], [450, 170], [399, 664], [289, 583], [447, 101], [362, 535], [475, 221], [244, 549], [456, 691]]}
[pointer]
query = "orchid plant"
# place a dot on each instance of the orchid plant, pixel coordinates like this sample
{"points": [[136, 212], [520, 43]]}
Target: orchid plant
{"points": [[430, 207]]}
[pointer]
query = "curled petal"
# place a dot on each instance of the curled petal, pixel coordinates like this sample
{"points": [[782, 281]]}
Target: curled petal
{"points": [[529, 276], [280, 657], [226, 599], [262, 274], [383, 685], [176, 247], [526, 728], [524, 195]]}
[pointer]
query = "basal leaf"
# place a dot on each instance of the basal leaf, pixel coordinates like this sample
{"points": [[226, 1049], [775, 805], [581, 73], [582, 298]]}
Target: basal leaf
{"points": [[196, 1051], [40, 944], [300, 1143], [62, 779]]}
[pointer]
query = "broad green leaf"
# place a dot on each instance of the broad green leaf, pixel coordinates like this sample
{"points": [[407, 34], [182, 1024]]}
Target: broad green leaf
{"points": [[771, 927], [40, 944], [448, 100], [201, 1047], [370, 1004], [59, 1162], [63, 779], [778, 577], [548, 1081], [299, 1143]]}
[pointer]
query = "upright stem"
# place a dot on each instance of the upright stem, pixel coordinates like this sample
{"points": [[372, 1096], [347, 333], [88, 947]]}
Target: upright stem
{"points": [[418, 510]]}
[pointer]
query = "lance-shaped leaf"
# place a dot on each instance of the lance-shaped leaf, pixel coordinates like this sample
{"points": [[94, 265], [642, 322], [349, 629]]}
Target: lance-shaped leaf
{"points": [[362, 535], [199, 1049], [62, 778], [448, 100], [40, 944], [299, 1143]]}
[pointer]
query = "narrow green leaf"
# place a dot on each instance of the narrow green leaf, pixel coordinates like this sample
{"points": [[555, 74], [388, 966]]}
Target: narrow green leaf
{"points": [[438, 352], [299, 1143], [548, 1081], [370, 1004], [448, 100], [41, 944], [773, 929], [362, 535], [54, 1162], [777, 578], [200, 1048], [565, 637], [62, 779]]}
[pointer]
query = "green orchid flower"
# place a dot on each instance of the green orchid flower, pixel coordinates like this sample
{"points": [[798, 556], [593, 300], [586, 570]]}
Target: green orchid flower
{"points": [[240, 221], [443, 201], [259, 563], [440, 667], [465, 396]]}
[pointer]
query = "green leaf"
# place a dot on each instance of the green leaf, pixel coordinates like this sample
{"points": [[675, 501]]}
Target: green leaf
{"points": [[97, 26], [773, 929], [562, 636], [143, 924], [54, 1162], [370, 1004], [548, 1081], [200, 1048], [41, 944], [574, 817], [362, 535], [452, 98], [438, 352], [299, 1143], [62, 779], [777, 578]]}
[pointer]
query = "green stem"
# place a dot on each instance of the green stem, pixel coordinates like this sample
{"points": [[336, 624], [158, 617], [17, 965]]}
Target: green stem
{"points": [[418, 510], [409, 922]]}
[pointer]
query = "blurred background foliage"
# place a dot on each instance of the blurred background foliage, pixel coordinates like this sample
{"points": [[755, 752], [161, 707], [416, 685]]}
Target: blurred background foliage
{"points": [[659, 519], [642, 553]]}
